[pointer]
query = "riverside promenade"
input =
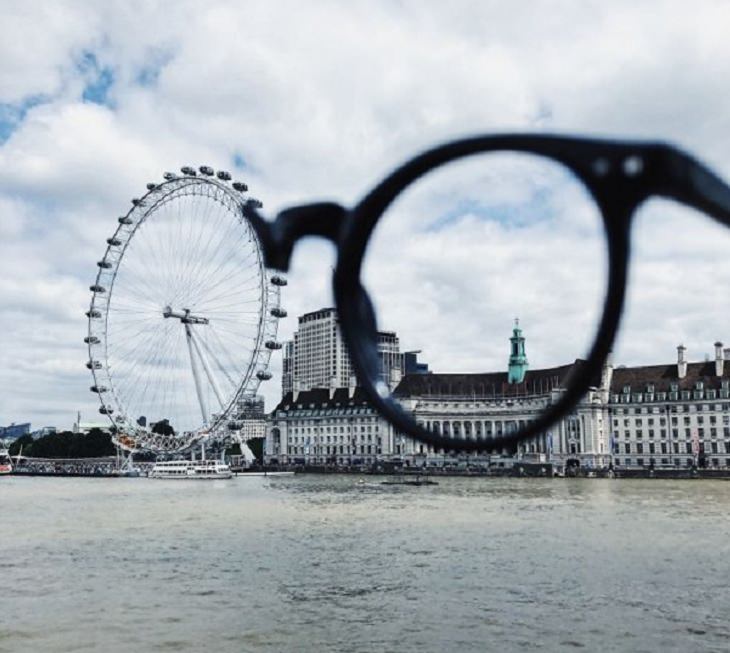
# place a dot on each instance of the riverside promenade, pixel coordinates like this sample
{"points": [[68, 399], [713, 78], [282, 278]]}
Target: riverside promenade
{"points": [[109, 467]]}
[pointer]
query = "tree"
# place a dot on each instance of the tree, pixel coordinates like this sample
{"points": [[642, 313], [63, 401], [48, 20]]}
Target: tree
{"points": [[24, 442], [163, 427], [257, 448], [95, 444]]}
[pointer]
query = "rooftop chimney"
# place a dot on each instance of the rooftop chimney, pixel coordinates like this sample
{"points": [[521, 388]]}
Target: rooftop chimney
{"points": [[681, 362], [607, 372], [719, 361]]}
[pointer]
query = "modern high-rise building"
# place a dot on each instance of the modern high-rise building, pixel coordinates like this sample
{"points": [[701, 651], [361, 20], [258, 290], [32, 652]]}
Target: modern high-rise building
{"points": [[318, 358]]}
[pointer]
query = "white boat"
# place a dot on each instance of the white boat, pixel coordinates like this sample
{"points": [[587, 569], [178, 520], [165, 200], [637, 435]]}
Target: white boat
{"points": [[265, 474], [6, 466], [191, 469]]}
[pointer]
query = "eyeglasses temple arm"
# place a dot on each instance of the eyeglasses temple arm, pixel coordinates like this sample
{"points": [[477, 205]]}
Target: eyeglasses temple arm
{"points": [[695, 184], [277, 238]]}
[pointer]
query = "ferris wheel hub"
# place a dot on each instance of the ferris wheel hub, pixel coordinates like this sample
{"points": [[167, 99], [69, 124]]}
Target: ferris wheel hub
{"points": [[186, 317]]}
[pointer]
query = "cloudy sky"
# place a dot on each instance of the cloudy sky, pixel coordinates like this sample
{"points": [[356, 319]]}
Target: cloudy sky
{"points": [[319, 100]]}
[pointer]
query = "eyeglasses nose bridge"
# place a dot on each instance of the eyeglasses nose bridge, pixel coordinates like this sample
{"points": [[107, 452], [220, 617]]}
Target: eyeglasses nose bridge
{"points": [[323, 219]]}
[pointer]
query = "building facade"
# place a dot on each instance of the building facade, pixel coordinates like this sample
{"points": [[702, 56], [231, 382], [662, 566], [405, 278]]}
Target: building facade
{"points": [[673, 415], [14, 431], [317, 357], [327, 426]]}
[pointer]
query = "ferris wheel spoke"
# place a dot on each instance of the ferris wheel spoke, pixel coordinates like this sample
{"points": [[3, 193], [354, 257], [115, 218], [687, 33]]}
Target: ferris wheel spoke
{"points": [[206, 281], [223, 352], [222, 290], [140, 288], [148, 363], [227, 248], [201, 219], [244, 295]]}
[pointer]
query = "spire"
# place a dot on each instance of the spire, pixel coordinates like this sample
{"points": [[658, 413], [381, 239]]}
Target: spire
{"points": [[518, 359]]}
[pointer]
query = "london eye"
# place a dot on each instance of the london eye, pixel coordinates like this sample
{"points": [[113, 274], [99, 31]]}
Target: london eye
{"points": [[183, 315]]}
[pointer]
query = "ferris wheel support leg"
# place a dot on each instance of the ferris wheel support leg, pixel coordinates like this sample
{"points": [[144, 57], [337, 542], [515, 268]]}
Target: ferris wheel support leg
{"points": [[196, 376], [207, 369]]}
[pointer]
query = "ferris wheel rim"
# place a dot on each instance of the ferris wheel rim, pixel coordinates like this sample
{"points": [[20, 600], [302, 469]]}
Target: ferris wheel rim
{"points": [[266, 323]]}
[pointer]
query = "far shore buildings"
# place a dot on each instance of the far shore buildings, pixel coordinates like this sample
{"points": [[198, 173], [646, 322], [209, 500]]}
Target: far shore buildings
{"points": [[670, 415]]}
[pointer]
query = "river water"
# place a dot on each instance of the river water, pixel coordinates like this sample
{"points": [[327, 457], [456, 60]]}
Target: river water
{"points": [[339, 563]]}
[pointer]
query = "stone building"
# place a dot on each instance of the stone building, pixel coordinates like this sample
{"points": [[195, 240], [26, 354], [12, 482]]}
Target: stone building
{"points": [[673, 415], [646, 416], [335, 426]]}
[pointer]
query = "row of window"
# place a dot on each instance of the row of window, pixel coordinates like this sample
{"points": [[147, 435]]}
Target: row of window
{"points": [[677, 447], [668, 462], [333, 450], [713, 432], [674, 395], [686, 408], [301, 439], [698, 419]]}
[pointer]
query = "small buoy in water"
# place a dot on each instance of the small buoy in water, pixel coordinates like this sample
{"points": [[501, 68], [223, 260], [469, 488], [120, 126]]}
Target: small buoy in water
{"points": [[361, 481]]}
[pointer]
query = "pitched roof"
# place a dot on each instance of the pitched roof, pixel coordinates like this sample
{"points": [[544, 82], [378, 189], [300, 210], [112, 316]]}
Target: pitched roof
{"points": [[489, 384], [320, 397], [663, 376]]}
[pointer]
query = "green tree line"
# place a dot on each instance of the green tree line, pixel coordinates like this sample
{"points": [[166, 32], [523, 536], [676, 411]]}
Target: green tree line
{"points": [[65, 444]]}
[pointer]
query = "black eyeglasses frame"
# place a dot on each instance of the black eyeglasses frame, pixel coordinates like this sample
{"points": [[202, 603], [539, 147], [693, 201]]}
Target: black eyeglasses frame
{"points": [[619, 175]]}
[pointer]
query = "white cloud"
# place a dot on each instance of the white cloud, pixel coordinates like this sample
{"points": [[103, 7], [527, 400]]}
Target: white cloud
{"points": [[321, 100]]}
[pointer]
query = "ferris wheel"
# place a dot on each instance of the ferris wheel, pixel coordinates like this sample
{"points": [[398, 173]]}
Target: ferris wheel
{"points": [[183, 316]]}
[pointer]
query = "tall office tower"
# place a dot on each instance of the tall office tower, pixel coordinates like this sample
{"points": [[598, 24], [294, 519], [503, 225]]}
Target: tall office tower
{"points": [[391, 358], [287, 371], [318, 357]]}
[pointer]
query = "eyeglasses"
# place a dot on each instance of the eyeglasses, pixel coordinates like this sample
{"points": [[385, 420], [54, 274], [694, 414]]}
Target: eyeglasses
{"points": [[615, 177]]}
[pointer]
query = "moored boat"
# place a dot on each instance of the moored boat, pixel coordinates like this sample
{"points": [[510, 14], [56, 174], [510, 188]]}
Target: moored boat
{"points": [[191, 469], [6, 466]]}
